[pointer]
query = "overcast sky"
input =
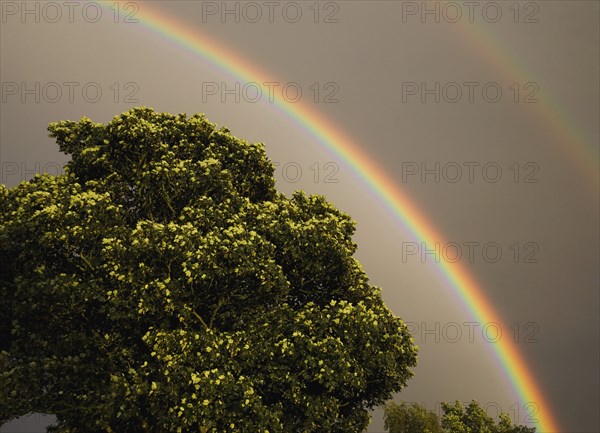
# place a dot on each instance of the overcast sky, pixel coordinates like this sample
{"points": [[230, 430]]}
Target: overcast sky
{"points": [[505, 159]]}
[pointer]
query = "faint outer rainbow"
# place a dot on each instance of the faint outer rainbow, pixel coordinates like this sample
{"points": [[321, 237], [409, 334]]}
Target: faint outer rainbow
{"points": [[370, 174], [552, 116]]}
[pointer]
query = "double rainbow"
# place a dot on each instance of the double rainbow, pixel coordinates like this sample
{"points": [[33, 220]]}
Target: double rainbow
{"points": [[332, 138]]}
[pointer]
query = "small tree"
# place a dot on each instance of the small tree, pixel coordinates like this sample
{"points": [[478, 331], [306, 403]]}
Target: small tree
{"points": [[410, 418], [414, 418], [163, 285], [474, 419]]}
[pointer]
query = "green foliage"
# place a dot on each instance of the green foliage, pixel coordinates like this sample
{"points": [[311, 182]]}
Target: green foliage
{"points": [[163, 285], [415, 418], [410, 418], [474, 419]]}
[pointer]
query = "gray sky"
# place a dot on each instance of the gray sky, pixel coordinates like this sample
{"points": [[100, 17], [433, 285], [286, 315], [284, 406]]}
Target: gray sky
{"points": [[379, 67]]}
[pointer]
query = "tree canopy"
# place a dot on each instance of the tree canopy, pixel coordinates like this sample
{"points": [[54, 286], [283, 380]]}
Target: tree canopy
{"points": [[410, 418], [162, 284], [456, 418]]}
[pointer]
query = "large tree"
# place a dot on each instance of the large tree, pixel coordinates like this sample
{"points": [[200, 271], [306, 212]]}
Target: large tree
{"points": [[162, 284]]}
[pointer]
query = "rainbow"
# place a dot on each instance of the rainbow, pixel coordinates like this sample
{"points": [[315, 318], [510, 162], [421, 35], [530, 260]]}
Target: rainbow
{"points": [[373, 177], [552, 117]]}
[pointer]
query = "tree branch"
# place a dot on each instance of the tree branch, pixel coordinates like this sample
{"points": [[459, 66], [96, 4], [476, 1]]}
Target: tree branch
{"points": [[214, 314], [200, 319], [87, 262]]}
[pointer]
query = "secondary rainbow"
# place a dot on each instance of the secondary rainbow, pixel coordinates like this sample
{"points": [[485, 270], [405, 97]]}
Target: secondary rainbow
{"points": [[552, 117], [373, 177]]}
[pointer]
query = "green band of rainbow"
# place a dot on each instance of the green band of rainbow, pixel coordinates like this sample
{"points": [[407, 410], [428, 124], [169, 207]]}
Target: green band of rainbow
{"points": [[373, 177]]}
